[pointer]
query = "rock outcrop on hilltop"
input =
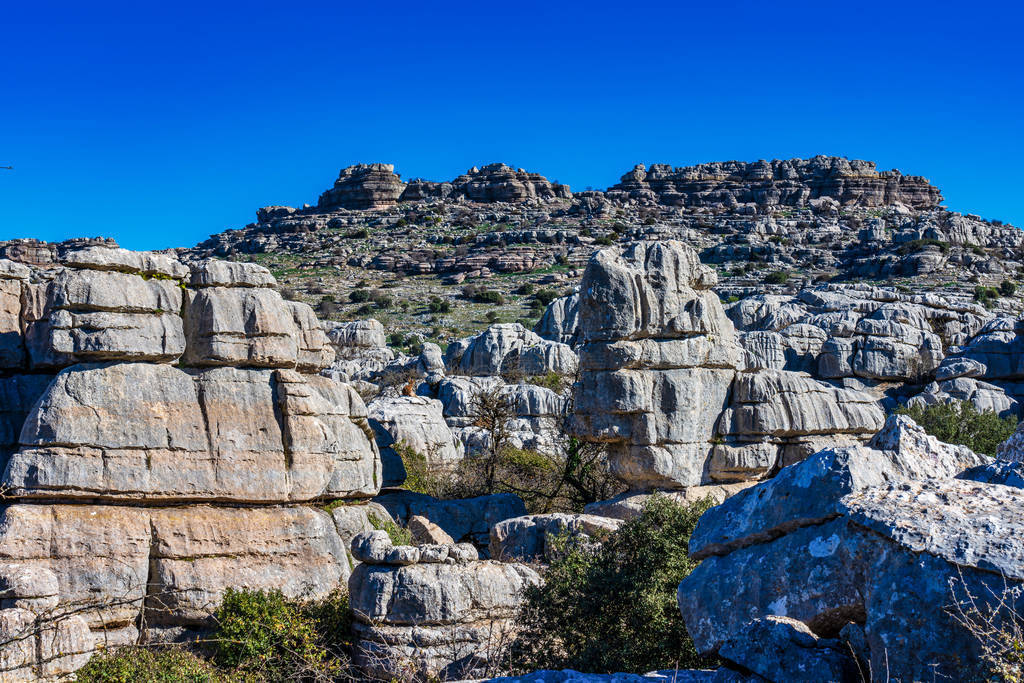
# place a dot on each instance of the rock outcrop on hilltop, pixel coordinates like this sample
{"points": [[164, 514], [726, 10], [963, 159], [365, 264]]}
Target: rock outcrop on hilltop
{"points": [[363, 186], [790, 182], [133, 381], [490, 183]]}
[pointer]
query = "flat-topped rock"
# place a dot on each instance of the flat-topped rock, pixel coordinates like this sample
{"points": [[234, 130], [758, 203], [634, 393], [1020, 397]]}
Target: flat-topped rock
{"points": [[138, 262], [363, 186], [217, 273]]}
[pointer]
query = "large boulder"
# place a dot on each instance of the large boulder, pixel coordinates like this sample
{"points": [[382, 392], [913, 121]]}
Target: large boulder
{"points": [[509, 349], [779, 417], [877, 542]]}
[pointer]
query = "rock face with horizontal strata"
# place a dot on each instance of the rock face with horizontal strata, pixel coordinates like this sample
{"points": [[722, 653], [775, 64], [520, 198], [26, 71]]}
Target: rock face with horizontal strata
{"points": [[657, 361], [490, 183], [790, 182], [185, 384], [433, 608], [363, 186]]}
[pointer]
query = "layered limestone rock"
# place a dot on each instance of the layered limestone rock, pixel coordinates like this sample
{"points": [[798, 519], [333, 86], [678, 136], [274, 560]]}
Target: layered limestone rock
{"points": [[657, 360], [415, 423], [363, 186], [360, 349], [491, 183], [887, 539], [434, 609], [777, 418], [509, 349], [791, 182], [185, 384], [560, 321]]}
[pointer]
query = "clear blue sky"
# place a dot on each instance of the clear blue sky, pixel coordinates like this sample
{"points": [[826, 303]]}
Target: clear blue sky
{"points": [[162, 123]]}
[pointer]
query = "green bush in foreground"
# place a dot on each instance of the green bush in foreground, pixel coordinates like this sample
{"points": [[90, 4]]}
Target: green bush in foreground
{"points": [[615, 609], [266, 636], [961, 423], [173, 664]]}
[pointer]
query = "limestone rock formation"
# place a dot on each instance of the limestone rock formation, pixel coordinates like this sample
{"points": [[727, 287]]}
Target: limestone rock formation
{"points": [[363, 186], [778, 417], [491, 183], [413, 422], [432, 607], [509, 348], [658, 357], [791, 182], [887, 539], [184, 384]]}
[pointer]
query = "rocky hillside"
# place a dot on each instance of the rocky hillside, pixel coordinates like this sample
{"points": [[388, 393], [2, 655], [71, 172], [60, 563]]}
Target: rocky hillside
{"points": [[427, 248]]}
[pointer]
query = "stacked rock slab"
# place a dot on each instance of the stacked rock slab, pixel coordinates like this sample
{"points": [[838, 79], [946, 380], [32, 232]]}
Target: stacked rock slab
{"points": [[875, 546], [657, 360], [433, 608], [363, 186], [175, 384]]}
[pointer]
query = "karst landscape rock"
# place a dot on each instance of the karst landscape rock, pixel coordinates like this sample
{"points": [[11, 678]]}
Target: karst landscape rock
{"points": [[265, 411]]}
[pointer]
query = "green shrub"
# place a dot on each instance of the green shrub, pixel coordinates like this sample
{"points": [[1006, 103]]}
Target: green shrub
{"points": [[986, 296], [263, 635], [358, 296], [604, 241], [552, 380], [914, 246], [398, 535], [1007, 288], [172, 664], [961, 423], [490, 296], [779, 277], [543, 297], [614, 609]]}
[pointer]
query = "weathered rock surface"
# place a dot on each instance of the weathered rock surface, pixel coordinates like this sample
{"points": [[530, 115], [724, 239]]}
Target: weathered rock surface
{"points": [[414, 422], [363, 186], [509, 348], [491, 183], [791, 182], [438, 617], [885, 539], [657, 362], [135, 431]]}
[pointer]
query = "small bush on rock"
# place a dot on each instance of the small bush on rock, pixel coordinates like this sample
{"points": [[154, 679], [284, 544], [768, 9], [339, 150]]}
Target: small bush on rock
{"points": [[961, 423], [397, 534], [614, 609]]}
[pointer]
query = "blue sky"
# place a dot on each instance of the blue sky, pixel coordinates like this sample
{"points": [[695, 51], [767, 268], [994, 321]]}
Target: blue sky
{"points": [[160, 124]]}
